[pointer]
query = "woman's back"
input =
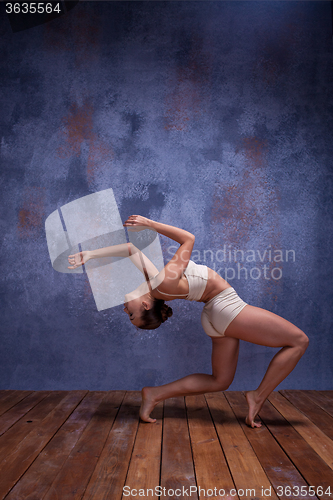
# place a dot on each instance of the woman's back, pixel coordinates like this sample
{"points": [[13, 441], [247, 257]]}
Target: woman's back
{"points": [[198, 283]]}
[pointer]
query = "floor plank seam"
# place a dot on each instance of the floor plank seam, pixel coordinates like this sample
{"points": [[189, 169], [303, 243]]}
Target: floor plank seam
{"points": [[41, 451], [131, 455], [65, 461], [241, 423], [191, 445], [284, 450], [161, 448], [18, 420], [16, 403], [105, 441], [219, 440], [295, 428], [314, 401], [310, 417]]}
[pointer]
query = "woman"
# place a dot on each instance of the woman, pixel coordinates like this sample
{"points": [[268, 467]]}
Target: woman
{"points": [[225, 318]]}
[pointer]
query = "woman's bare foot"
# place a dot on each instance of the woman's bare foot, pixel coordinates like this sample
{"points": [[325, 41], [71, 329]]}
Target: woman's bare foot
{"points": [[254, 408], [147, 405]]}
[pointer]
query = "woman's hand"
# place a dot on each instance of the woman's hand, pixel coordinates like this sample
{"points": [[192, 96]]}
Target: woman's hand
{"points": [[137, 223], [78, 259]]}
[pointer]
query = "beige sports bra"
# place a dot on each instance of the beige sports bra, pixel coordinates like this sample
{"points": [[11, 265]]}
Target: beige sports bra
{"points": [[197, 277]]}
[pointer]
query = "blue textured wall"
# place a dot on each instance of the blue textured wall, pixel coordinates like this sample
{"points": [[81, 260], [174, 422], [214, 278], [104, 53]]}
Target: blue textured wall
{"points": [[214, 116]]}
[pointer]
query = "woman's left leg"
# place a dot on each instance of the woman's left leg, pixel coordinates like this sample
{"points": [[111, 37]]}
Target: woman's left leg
{"points": [[262, 327], [224, 363]]}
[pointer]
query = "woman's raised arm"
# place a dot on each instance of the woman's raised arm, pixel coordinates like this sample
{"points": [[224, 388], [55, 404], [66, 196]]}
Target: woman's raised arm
{"points": [[175, 268], [172, 232]]}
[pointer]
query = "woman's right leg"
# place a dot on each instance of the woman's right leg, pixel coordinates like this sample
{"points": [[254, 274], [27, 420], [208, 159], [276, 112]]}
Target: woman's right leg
{"points": [[224, 363], [262, 327]]}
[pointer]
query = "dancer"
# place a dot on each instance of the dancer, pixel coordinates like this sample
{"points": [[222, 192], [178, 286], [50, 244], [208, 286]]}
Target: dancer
{"points": [[226, 318]]}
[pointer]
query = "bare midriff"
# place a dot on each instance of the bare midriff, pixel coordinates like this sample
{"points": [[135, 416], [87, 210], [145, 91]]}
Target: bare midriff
{"points": [[215, 285]]}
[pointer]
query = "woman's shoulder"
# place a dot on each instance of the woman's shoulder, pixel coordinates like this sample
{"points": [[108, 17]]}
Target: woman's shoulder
{"points": [[168, 289]]}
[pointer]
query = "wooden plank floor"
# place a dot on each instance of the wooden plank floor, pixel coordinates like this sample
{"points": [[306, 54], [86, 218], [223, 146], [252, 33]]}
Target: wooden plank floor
{"points": [[62, 445]]}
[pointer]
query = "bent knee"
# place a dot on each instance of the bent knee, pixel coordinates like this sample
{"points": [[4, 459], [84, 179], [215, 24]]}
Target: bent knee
{"points": [[305, 341], [302, 341], [222, 385]]}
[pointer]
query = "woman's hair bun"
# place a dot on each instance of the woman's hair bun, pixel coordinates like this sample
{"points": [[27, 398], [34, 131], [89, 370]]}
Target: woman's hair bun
{"points": [[169, 312], [166, 312]]}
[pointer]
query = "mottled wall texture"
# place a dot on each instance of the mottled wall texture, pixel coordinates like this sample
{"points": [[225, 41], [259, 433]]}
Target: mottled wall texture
{"points": [[213, 116]]}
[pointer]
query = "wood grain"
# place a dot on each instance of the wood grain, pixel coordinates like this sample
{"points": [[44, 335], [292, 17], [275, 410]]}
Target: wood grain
{"points": [[12, 415], [211, 469], [145, 463], [316, 438], [321, 400], [177, 470], [74, 475], [310, 465], [15, 435], [110, 472], [18, 461], [279, 468], [246, 470], [317, 415], [11, 398], [38, 479], [62, 445]]}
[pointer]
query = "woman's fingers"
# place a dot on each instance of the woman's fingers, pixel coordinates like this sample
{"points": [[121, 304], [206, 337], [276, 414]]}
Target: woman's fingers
{"points": [[75, 260], [131, 219], [130, 223], [75, 265], [135, 220], [137, 223], [72, 265]]}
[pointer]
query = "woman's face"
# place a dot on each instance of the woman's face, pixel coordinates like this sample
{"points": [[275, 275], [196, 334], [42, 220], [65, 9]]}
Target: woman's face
{"points": [[134, 310]]}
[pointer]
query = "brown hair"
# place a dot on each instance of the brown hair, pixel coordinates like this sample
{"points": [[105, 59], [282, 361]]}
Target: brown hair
{"points": [[154, 317]]}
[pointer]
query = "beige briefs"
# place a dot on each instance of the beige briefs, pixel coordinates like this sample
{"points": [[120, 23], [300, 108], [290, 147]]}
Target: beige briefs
{"points": [[219, 312]]}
